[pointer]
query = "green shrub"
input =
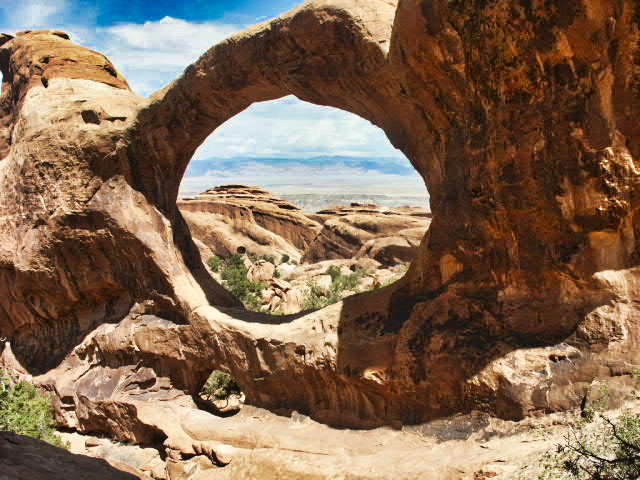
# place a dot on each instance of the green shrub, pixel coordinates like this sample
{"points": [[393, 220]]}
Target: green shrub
{"points": [[345, 282], [334, 272], [285, 258], [318, 298], [269, 258], [234, 276], [220, 385], [214, 264], [26, 411], [351, 281], [596, 449]]}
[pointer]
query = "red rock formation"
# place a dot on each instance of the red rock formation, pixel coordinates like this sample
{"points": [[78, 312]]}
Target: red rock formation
{"points": [[521, 118], [229, 217], [233, 218], [390, 238]]}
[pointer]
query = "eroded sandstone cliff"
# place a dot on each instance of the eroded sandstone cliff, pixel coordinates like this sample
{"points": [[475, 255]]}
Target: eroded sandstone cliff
{"points": [[521, 118], [229, 218]]}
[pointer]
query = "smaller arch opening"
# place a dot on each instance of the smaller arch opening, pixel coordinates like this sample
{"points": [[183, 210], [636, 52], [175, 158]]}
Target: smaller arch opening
{"points": [[220, 394]]}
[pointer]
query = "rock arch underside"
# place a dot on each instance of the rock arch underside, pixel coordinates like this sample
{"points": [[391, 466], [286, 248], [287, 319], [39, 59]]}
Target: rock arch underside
{"points": [[520, 116]]}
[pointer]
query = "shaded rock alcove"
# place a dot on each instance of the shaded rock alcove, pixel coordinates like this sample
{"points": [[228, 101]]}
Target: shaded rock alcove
{"points": [[520, 117]]}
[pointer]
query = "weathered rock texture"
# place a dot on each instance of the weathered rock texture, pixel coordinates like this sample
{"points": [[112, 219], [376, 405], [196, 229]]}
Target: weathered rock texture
{"points": [[522, 119], [388, 238], [233, 218], [238, 218]]}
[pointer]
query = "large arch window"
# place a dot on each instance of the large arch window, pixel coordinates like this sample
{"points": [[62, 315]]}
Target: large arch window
{"points": [[332, 165]]}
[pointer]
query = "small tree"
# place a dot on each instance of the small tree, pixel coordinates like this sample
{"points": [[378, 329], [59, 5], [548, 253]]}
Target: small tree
{"points": [[220, 385], [285, 258], [235, 279], [26, 411], [214, 263], [598, 448]]}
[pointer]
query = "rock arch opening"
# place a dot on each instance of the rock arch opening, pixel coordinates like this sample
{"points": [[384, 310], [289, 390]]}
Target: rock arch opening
{"points": [[301, 192], [220, 394]]}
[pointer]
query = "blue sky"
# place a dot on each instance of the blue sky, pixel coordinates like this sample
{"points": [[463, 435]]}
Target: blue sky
{"points": [[23, 14], [151, 42]]}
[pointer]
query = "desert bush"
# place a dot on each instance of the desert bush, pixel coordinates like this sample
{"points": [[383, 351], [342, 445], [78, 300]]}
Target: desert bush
{"points": [[318, 298], [597, 448], [234, 276], [269, 258], [214, 263], [26, 411], [334, 272], [285, 259], [351, 281], [220, 385]]}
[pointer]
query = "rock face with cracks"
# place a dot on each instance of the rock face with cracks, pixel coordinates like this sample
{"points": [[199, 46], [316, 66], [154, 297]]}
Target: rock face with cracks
{"points": [[520, 116], [240, 218]]}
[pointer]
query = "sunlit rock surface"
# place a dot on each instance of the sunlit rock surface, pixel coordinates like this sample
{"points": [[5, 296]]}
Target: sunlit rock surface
{"points": [[521, 118], [238, 218]]}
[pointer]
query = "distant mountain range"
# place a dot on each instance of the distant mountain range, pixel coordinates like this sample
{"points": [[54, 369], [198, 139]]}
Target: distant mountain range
{"points": [[385, 165], [315, 183]]}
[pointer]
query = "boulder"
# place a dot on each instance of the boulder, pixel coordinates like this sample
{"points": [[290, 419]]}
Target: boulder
{"points": [[285, 269], [261, 271], [399, 248], [279, 284], [293, 300]]}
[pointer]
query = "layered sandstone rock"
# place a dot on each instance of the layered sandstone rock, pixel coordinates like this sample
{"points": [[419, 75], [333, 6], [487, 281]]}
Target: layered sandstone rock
{"points": [[238, 218], [521, 118], [389, 239]]}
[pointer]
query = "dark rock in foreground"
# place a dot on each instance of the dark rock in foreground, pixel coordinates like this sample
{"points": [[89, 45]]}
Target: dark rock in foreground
{"points": [[25, 458]]}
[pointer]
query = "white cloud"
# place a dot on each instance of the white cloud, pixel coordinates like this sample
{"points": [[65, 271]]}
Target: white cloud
{"points": [[172, 34], [36, 14], [152, 54], [291, 128], [30, 14]]}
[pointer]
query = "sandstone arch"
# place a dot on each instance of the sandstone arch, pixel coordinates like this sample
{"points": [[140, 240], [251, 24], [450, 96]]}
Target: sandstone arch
{"points": [[520, 118]]}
